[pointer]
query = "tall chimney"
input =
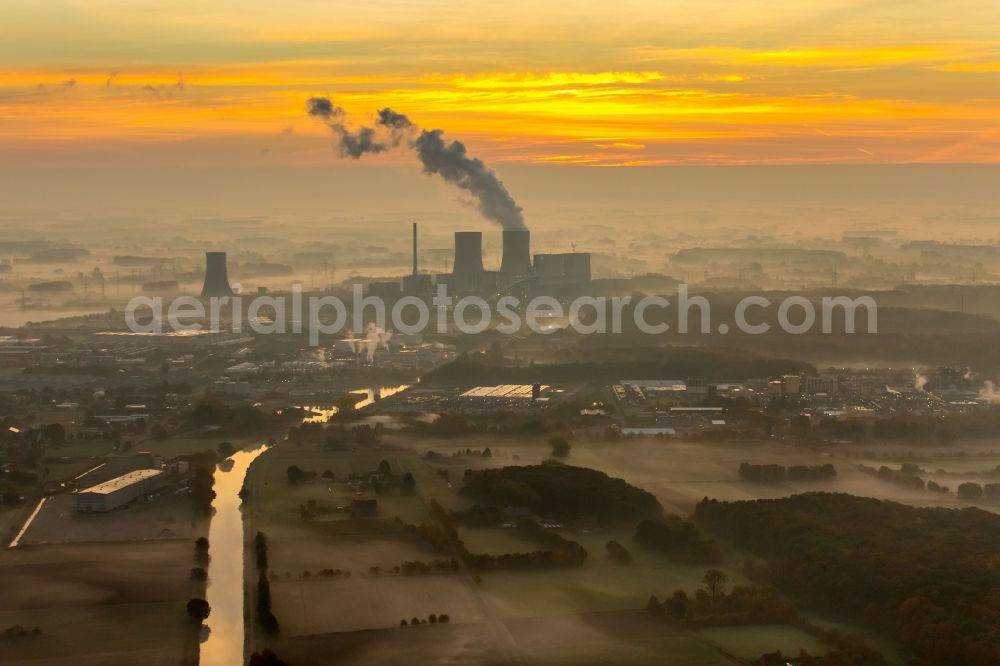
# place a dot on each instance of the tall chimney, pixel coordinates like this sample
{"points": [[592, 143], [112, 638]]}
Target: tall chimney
{"points": [[516, 262], [467, 273], [414, 248], [216, 277]]}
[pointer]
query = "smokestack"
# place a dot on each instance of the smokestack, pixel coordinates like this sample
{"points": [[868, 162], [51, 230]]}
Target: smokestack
{"points": [[216, 277], [516, 262], [467, 272], [414, 248]]}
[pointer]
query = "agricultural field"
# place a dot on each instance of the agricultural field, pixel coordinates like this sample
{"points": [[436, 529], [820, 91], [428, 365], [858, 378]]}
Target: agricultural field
{"points": [[630, 637], [600, 584], [334, 540], [364, 602], [752, 641], [311, 606], [681, 473], [557, 615], [119, 603]]}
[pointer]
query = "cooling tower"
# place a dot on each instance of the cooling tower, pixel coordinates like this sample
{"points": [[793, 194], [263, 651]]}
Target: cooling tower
{"points": [[516, 262], [467, 273], [216, 277]]}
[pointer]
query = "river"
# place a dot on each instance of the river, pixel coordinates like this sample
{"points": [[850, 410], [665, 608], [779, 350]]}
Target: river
{"points": [[224, 646], [322, 413]]}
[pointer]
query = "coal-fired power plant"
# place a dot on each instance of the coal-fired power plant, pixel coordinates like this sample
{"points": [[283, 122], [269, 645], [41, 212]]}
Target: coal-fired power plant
{"points": [[516, 261], [467, 274], [520, 272], [216, 276]]}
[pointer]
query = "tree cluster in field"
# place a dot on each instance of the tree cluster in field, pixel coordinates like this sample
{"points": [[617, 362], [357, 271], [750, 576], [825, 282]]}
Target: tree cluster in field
{"points": [[780, 473], [928, 577], [560, 446], [431, 619], [443, 537], [618, 552], [677, 538], [713, 605], [418, 567], [974, 491], [201, 555], [296, 475], [17, 631], [334, 436], [903, 476], [198, 610], [265, 617], [306, 573], [265, 658], [445, 426], [563, 492], [239, 420], [433, 456], [479, 515], [203, 487], [260, 550]]}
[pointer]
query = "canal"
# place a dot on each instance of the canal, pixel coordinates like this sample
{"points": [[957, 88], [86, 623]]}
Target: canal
{"points": [[224, 645]]}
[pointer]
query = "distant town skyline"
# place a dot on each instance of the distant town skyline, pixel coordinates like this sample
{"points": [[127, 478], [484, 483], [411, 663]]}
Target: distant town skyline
{"points": [[633, 83]]}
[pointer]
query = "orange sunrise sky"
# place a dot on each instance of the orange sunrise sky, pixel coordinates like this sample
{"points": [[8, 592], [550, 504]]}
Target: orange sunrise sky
{"points": [[628, 83]]}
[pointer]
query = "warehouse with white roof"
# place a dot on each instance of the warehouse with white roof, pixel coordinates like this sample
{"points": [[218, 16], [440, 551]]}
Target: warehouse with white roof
{"points": [[119, 491]]}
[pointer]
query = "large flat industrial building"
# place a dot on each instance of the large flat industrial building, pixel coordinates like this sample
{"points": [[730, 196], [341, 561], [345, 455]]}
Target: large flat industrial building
{"points": [[119, 491]]}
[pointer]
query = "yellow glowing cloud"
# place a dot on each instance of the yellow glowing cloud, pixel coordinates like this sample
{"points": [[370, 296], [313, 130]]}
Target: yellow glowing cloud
{"points": [[512, 80], [718, 104]]}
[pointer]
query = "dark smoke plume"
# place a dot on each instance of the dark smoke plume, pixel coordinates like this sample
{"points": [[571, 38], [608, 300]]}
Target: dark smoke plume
{"points": [[350, 144], [446, 159]]}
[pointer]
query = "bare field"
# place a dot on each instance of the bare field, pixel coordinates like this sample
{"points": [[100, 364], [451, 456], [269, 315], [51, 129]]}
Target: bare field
{"points": [[375, 602], [115, 633], [112, 603], [453, 644], [630, 637], [348, 545], [495, 541]]}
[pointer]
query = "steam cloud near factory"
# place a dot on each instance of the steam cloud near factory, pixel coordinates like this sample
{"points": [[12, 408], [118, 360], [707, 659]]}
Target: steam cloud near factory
{"points": [[448, 159]]}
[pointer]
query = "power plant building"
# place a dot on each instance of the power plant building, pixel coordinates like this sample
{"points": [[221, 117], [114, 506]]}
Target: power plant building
{"points": [[120, 491], [468, 276], [560, 269]]}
